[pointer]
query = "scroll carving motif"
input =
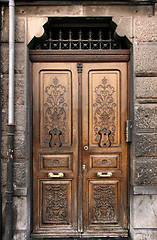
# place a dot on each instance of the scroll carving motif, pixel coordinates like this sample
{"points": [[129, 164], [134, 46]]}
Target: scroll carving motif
{"points": [[56, 204], [104, 114], [104, 203], [55, 109]]}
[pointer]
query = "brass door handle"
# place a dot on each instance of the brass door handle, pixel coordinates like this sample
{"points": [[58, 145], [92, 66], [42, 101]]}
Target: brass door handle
{"points": [[52, 175], [108, 174]]}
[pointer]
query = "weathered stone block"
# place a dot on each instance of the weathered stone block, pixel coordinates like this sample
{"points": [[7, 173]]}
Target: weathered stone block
{"points": [[20, 148], [145, 57], [89, 10], [146, 87], [20, 213], [19, 30], [144, 235], [146, 173], [19, 173], [20, 236], [19, 59], [5, 58], [146, 116], [4, 92], [112, 10], [4, 149], [20, 95], [121, 29], [146, 145], [145, 211], [145, 29], [4, 115], [3, 174], [20, 120]]}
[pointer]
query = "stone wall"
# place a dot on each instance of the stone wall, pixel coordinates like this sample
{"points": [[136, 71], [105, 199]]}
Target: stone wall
{"points": [[144, 152], [138, 23], [20, 162]]}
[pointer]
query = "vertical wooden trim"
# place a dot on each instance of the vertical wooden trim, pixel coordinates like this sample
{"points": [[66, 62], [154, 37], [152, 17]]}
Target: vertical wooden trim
{"points": [[80, 182]]}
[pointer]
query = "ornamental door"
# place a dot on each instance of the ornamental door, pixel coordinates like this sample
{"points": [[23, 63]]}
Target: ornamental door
{"points": [[80, 161]]}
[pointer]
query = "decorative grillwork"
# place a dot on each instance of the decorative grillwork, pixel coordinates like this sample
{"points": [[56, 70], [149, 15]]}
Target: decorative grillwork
{"points": [[76, 38]]}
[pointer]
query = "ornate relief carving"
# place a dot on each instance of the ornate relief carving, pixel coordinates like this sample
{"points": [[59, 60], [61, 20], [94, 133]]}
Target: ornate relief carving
{"points": [[55, 109], [56, 203], [104, 114], [104, 203], [105, 161]]}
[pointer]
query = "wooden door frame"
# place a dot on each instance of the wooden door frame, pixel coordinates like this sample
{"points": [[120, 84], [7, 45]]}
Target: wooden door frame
{"points": [[76, 56]]}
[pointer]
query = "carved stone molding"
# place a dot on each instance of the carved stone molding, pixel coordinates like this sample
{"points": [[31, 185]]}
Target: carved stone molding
{"points": [[35, 27]]}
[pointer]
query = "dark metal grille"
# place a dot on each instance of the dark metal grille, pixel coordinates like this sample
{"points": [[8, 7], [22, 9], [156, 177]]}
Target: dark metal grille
{"points": [[76, 38]]}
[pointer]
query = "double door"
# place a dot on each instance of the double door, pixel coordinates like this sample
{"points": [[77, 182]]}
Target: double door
{"points": [[80, 165]]}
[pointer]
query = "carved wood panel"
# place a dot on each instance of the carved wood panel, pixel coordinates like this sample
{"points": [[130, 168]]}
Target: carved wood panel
{"points": [[55, 107], [104, 111], [105, 161], [103, 199], [53, 162], [56, 202]]}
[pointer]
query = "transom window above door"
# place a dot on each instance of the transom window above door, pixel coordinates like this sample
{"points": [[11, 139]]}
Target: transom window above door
{"points": [[79, 34]]}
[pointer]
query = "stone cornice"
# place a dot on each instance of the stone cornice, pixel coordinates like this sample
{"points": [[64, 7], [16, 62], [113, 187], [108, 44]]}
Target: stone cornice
{"points": [[83, 2]]}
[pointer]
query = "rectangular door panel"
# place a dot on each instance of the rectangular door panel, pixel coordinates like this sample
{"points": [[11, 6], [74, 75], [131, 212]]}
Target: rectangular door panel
{"points": [[104, 105], [55, 162], [105, 162], [55, 105], [103, 201], [55, 202]]}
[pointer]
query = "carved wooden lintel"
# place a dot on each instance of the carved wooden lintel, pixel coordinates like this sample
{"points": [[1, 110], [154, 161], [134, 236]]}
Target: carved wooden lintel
{"points": [[76, 56]]}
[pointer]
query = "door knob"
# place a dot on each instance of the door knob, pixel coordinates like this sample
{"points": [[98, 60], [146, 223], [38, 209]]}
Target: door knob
{"points": [[52, 175], [85, 148]]}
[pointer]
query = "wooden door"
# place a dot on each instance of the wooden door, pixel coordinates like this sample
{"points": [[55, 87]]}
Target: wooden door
{"points": [[104, 149], [79, 149]]}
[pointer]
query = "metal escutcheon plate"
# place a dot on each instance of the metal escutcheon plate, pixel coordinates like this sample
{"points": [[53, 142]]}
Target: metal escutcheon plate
{"points": [[85, 148]]}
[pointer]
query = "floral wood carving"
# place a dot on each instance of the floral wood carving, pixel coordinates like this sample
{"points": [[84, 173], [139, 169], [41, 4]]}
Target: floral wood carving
{"points": [[55, 109], [104, 114], [104, 203], [56, 204]]}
